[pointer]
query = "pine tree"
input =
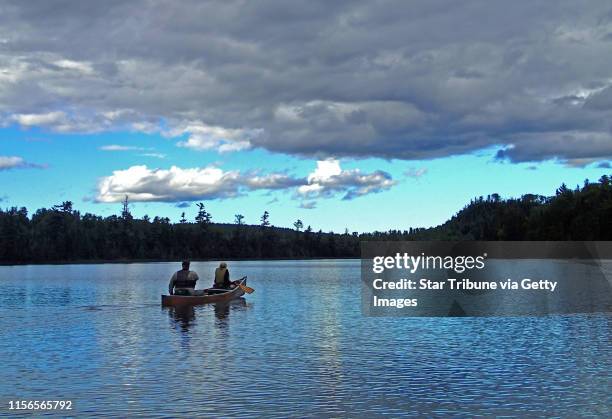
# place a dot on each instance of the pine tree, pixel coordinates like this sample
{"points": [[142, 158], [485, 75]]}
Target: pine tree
{"points": [[125, 212], [65, 206], [298, 225], [265, 219], [203, 218]]}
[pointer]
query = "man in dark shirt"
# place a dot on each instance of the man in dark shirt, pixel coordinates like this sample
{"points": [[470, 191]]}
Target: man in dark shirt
{"points": [[183, 282]]}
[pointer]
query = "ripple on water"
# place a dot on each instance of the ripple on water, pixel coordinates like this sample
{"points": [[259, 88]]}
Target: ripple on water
{"points": [[96, 334]]}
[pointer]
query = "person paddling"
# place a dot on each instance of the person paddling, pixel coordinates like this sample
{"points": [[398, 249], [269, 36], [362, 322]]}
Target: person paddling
{"points": [[222, 277], [183, 282]]}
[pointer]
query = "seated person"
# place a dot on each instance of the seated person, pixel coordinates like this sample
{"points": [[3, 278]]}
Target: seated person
{"points": [[222, 277], [183, 282]]}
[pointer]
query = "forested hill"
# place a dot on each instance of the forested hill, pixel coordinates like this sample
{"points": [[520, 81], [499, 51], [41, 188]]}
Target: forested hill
{"points": [[583, 213], [62, 234]]}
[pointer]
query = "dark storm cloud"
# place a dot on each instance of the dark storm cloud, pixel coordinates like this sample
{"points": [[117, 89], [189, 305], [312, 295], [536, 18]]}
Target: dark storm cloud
{"points": [[408, 80]]}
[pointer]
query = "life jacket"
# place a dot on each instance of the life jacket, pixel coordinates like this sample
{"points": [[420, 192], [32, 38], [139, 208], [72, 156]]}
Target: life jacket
{"points": [[183, 281], [220, 276]]}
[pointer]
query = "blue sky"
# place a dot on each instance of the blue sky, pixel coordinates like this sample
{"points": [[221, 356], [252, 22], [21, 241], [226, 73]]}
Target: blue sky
{"points": [[427, 192], [366, 115]]}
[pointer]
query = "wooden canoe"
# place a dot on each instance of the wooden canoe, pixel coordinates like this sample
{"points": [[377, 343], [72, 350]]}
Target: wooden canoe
{"points": [[211, 295]]}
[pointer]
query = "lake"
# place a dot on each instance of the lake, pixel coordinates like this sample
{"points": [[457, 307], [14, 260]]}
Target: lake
{"points": [[299, 346]]}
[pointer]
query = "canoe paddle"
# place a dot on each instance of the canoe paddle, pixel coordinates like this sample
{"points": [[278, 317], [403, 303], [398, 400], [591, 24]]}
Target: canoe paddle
{"points": [[246, 289]]}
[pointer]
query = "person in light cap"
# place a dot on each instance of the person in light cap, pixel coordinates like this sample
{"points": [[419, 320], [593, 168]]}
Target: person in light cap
{"points": [[222, 277]]}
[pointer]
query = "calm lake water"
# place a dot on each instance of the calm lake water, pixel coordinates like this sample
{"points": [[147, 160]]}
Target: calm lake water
{"points": [[299, 346]]}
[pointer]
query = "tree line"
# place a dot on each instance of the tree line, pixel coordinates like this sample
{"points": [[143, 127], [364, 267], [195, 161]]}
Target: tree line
{"points": [[63, 234], [582, 213]]}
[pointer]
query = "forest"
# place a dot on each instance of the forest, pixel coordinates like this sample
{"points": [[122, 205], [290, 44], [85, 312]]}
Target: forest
{"points": [[62, 234]]}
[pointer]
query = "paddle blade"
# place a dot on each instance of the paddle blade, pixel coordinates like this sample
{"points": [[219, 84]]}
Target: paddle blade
{"points": [[246, 289]]}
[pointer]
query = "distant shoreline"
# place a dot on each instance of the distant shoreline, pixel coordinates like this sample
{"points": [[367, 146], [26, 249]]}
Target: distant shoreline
{"points": [[61, 235], [130, 261]]}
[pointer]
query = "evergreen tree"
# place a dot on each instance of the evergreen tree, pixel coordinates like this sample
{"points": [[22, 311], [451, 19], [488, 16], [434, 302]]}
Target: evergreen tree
{"points": [[65, 206], [125, 212], [298, 225], [203, 218]]}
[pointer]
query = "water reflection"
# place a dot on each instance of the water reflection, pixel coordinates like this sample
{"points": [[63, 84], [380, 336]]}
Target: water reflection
{"points": [[182, 317], [222, 311], [298, 344]]}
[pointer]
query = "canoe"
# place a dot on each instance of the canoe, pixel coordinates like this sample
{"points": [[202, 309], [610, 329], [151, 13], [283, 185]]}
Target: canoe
{"points": [[211, 295]]}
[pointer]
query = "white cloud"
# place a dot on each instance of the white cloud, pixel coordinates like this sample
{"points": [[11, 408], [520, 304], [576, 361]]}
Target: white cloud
{"points": [[328, 180], [154, 155], [177, 184], [308, 204], [10, 162], [78, 66], [415, 172], [206, 137], [14, 162], [116, 147], [145, 127], [174, 184], [31, 119], [325, 170], [272, 181]]}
